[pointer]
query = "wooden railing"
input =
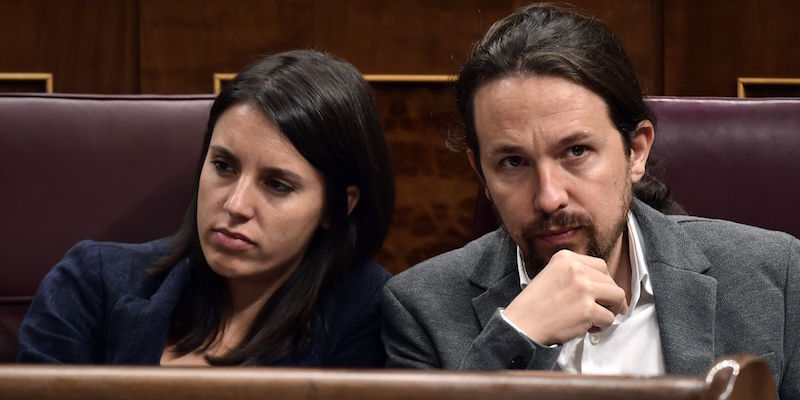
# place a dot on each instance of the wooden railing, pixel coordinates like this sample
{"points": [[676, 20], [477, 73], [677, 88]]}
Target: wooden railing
{"points": [[734, 377]]}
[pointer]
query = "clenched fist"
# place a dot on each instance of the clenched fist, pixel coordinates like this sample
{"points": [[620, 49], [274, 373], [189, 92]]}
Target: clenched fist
{"points": [[572, 294]]}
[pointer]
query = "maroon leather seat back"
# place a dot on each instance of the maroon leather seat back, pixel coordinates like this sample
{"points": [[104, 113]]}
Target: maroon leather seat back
{"points": [[735, 159], [117, 168]]}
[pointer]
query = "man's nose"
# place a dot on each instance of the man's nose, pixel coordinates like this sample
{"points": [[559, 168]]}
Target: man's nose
{"points": [[551, 194]]}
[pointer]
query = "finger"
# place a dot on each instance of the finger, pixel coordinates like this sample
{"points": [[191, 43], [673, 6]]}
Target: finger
{"points": [[600, 319], [594, 266], [594, 262], [611, 297]]}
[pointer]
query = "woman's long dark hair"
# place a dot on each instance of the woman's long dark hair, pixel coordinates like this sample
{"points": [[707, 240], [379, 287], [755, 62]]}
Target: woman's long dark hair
{"points": [[325, 108]]}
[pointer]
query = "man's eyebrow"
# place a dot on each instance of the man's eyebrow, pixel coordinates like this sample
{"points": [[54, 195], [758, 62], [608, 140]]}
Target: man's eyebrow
{"points": [[504, 149], [571, 139], [574, 138]]}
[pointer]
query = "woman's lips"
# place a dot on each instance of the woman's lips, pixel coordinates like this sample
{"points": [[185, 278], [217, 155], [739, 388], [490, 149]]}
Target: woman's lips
{"points": [[232, 240]]}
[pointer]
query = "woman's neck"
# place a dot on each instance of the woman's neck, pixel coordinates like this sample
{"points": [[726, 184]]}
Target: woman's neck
{"points": [[248, 296]]}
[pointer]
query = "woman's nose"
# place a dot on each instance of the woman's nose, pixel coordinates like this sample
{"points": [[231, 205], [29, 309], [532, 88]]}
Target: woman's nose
{"points": [[239, 204]]}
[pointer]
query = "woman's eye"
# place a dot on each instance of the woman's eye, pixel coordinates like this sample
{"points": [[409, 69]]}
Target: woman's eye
{"points": [[222, 167], [279, 186], [513, 161]]}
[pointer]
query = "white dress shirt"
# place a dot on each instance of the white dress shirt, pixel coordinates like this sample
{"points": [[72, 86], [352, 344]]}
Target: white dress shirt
{"points": [[632, 344]]}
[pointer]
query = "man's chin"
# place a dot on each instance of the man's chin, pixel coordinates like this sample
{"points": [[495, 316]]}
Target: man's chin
{"points": [[548, 250], [542, 254]]}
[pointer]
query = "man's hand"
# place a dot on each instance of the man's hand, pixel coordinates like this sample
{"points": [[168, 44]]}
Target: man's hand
{"points": [[572, 294]]}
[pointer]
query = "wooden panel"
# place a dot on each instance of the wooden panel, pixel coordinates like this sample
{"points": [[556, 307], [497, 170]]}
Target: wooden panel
{"points": [[734, 377], [185, 41], [639, 25], [31, 82], [767, 87], [435, 187], [708, 44], [90, 46], [679, 47], [406, 37]]}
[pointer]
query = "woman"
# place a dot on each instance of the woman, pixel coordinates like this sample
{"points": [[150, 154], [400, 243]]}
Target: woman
{"points": [[270, 266]]}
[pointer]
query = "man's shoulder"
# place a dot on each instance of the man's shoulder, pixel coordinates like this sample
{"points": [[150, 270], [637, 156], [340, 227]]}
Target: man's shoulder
{"points": [[706, 233], [741, 252], [718, 232], [452, 266]]}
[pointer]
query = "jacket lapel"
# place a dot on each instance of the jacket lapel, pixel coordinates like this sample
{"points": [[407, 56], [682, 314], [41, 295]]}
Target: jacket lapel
{"points": [[138, 324], [495, 273], [685, 298]]}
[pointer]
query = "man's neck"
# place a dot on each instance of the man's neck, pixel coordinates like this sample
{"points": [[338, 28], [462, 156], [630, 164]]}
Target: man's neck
{"points": [[619, 264]]}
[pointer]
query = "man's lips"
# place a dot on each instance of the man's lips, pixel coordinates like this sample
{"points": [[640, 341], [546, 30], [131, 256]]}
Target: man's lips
{"points": [[558, 235], [232, 240]]}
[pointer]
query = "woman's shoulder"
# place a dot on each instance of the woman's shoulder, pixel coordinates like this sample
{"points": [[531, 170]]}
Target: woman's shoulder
{"points": [[114, 251], [366, 277], [111, 262], [71, 314], [357, 287]]}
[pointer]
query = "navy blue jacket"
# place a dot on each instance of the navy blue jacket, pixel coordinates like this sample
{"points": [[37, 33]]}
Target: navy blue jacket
{"points": [[100, 306]]}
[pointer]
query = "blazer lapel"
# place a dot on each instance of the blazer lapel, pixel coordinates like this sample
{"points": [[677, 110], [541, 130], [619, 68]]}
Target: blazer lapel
{"points": [[138, 324], [685, 298], [495, 273]]}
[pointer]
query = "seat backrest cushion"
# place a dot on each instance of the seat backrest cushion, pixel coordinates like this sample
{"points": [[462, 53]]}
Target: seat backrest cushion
{"points": [[734, 159], [117, 168]]}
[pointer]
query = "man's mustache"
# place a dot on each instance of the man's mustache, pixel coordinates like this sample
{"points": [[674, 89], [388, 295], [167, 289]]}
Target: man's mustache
{"points": [[559, 219]]}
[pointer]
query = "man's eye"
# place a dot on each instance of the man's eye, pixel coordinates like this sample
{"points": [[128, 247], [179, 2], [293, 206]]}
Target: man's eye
{"points": [[513, 161], [576, 151]]}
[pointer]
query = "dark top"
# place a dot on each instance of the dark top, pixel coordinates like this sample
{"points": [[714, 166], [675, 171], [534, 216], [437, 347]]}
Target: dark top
{"points": [[99, 305]]}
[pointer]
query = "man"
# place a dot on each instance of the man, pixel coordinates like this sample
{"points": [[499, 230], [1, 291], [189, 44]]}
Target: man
{"points": [[587, 273]]}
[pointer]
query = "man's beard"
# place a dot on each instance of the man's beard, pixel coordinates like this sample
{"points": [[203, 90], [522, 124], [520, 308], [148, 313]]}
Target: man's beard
{"points": [[598, 245]]}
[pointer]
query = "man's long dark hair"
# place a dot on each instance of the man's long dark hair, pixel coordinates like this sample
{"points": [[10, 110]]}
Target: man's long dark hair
{"points": [[550, 40], [325, 108]]}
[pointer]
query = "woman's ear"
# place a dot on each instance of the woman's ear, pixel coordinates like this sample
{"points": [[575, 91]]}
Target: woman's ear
{"points": [[353, 194], [641, 142]]}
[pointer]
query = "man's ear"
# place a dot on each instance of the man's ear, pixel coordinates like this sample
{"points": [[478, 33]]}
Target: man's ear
{"points": [[474, 164], [353, 194], [641, 142]]}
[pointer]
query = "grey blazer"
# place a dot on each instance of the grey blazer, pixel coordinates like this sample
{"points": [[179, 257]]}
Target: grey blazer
{"points": [[719, 288]]}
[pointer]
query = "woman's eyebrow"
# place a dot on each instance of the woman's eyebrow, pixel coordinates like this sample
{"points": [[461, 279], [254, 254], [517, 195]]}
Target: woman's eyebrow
{"points": [[282, 174], [277, 172], [223, 152]]}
